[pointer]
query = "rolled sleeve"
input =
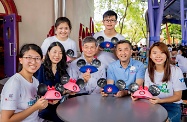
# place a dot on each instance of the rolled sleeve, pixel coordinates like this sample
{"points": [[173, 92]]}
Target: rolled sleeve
{"points": [[140, 72]]}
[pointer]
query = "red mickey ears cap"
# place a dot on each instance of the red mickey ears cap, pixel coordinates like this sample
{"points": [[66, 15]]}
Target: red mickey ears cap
{"points": [[72, 86]]}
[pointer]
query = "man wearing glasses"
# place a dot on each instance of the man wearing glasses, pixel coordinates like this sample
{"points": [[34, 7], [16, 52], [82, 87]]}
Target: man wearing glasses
{"points": [[109, 21]]}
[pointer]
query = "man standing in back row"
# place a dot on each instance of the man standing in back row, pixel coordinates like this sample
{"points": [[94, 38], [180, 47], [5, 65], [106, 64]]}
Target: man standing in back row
{"points": [[109, 21]]}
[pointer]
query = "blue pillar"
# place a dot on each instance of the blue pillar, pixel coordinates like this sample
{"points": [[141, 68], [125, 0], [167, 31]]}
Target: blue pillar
{"points": [[155, 13], [183, 22]]}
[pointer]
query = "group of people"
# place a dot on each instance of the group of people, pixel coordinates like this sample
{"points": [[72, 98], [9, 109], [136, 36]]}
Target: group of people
{"points": [[19, 99]]}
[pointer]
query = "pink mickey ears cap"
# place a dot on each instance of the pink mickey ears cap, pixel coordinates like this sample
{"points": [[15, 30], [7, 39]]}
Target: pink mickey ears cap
{"points": [[72, 86]]}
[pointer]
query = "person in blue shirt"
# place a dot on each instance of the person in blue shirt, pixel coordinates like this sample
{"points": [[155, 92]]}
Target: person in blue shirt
{"points": [[50, 72], [125, 68]]}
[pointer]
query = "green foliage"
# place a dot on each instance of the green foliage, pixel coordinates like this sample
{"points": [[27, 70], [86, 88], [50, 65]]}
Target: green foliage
{"points": [[174, 31], [131, 17]]}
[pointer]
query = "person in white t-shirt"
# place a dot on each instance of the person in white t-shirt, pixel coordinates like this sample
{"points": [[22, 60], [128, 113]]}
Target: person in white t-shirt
{"points": [[181, 59], [63, 29], [168, 78], [109, 21], [19, 101]]}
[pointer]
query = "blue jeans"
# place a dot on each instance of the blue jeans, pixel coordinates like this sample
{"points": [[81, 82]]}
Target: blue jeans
{"points": [[174, 111]]}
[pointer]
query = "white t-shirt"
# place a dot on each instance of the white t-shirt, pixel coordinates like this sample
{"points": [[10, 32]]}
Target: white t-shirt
{"points": [[68, 44], [107, 57], [18, 93], [176, 82], [182, 63]]}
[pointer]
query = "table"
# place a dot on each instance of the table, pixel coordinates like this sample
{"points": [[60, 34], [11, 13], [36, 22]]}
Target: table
{"points": [[95, 108]]}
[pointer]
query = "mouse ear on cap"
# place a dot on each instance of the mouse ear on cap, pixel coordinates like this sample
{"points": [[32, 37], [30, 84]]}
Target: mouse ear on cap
{"points": [[42, 89], [154, 90], [59, 87], [100, 39], [114, 40], [70, 52], [120, 84], [65, 79], [96, 63], [133, 87], [102, 82], [81, 63], [80, 82]]}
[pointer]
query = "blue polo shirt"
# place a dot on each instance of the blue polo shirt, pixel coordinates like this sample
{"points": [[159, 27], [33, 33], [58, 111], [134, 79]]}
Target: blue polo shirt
{"points": [[134, 70]]}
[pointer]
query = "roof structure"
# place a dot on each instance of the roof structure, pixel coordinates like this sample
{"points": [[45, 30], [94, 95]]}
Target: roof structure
{"points": [[172, 11]]}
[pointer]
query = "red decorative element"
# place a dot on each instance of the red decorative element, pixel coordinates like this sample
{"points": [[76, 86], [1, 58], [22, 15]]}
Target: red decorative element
{"points": [[51, 88], [109, 89], [10, 8], [91, 27], [146, 88], [141, 92], [141, 88], [95, 57], [74, 88], [72, 80], [51, 31], [107, 45], [80, 37]]}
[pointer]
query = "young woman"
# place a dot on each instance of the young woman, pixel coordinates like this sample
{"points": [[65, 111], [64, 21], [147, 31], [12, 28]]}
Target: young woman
{"points": [[168, 78], [50, 72], [19, 95], [63, 29]]}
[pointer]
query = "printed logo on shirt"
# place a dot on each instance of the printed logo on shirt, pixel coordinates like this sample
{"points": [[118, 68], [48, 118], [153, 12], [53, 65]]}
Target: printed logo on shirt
{"points": [[181, 80], [164, 88], [107, 50], [9, 98], [132, 69], [33, 101]]}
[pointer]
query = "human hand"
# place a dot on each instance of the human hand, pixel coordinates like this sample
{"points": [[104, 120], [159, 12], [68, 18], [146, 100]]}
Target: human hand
{"points": [[103, 94], [86, 76], [41, 103], [134, 98], [154, 100], [53, 102], [119, 94]]}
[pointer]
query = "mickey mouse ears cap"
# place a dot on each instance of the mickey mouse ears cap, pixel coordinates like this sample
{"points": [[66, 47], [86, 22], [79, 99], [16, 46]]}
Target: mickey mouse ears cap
{"points": [[72, 86]]}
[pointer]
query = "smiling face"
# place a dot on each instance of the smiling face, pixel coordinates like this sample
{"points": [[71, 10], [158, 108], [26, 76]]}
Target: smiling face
{"points": [[157, 56], [109, 22], [30, 61], [123, 52], [89, 49], [55, 54], [63, 30]]}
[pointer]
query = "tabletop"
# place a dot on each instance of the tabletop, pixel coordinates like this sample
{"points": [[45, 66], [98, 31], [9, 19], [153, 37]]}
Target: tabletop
{"points": [[95, 108]]}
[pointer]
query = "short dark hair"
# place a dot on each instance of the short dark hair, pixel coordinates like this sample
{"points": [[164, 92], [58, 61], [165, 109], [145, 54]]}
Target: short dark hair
{"points": [[62, 20], [110, 13], [124, 41], [89, 39]]}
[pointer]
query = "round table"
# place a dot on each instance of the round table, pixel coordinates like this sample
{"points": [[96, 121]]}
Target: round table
{"points": [[95, 108]]}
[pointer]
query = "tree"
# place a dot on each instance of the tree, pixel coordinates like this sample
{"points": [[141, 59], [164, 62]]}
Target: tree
{"points": [[131, 17], [174, 31]]}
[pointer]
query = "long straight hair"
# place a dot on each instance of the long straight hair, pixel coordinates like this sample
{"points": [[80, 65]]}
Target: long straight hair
{"points": [[151, 65]]}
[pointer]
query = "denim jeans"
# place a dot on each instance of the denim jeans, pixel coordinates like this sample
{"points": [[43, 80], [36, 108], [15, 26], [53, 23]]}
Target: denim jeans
{"points": [[174, 111]]}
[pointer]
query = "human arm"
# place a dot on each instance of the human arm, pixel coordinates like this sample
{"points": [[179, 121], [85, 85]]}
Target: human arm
{"points": [[177, 84], [176, 97], [10, 116]]}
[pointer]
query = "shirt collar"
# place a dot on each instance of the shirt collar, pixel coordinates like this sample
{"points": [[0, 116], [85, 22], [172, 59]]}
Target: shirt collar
{"points": [[129, 65]]}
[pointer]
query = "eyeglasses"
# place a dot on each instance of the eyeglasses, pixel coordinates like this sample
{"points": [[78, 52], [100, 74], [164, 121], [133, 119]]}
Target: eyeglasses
{"points": [[107, 20], [37, 59]]}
